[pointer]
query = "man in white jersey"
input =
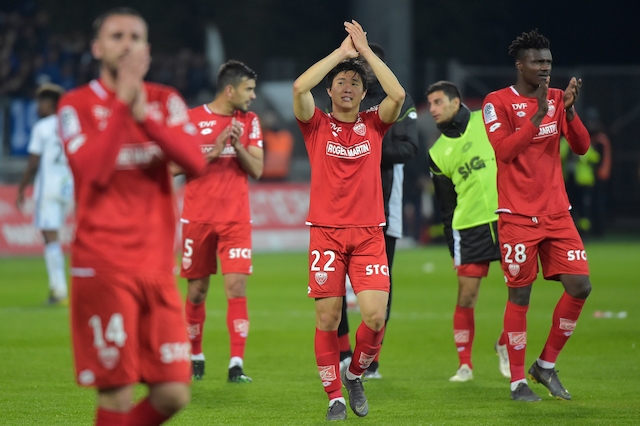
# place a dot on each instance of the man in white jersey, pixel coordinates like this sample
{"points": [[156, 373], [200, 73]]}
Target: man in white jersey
{"points": [[53, 187]]}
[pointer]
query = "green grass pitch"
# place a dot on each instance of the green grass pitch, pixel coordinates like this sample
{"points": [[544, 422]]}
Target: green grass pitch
{"points": [[599, 365]]}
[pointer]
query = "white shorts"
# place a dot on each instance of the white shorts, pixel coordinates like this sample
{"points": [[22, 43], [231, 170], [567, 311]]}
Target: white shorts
{"points": [[50, 213]]}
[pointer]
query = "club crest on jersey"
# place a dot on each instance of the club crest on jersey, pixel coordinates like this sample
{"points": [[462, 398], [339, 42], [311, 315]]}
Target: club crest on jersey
{"points": [[321, 277], [514, 269], [552, 110], [360, 129]]}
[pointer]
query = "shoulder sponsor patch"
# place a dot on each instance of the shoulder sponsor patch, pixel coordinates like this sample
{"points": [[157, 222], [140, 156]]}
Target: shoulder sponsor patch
{"points": [[494, 127], [489, 113]]}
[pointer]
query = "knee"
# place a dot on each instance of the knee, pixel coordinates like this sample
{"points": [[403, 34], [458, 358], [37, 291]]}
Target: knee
{"points": [[375, 321], [171, 400], [580, 289], [197, 292], [520, 296], [328, 320]]}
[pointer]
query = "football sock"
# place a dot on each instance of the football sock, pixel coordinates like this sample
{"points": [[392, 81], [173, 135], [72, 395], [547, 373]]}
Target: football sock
{"points": [[328, 360], [145, 414], [195, 314], [368, 344], [238, 325], [463, 333], [515, 326], [110, 418], [503, 338], [54, 260], [565, 316]]}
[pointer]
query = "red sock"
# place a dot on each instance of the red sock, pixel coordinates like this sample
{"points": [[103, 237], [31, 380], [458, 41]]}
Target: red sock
{"points": [[110, 418], [238, 325], [328, 360], [145, 414], [195, 324], [515, 327], [343, 343], [368, 344], [503, 338], [463, 333], [564, 321]]}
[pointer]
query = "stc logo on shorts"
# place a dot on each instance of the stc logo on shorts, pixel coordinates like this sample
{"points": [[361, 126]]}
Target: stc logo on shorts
{"points": [[239, 253], [377, 269], [576, 255]]}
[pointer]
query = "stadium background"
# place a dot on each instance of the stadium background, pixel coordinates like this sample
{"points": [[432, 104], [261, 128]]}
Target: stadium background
{"points": [[462, 41]]}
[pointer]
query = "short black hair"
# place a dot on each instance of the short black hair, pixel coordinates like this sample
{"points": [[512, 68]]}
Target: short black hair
{"points": [[531, 40], [49, 91], [232, 72], [347, 65], [449, 89], [128, 11]]}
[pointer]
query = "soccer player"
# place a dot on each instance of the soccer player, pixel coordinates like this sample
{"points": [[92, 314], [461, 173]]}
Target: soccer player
{"points": [[524, 123], [119, 134], [463, 170], [216, 219], [399, 145], [53, 189], [346, 211]]}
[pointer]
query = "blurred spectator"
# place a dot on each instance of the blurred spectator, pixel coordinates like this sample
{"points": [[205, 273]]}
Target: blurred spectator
{"points": [[278, 147]]}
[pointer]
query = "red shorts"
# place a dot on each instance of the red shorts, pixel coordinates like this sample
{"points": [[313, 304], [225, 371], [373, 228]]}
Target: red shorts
{"points": [[476, 270], [202, 241], [553, 238], [336, 252], [128, 329]]}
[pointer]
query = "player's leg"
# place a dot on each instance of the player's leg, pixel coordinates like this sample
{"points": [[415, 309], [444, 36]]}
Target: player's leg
{"points": [[234, 251], [164, 353], [519, 239], [199, 241], [562, 257], [343, 337], [464, 324], [327, 271], [114, 406], [49, 217]]}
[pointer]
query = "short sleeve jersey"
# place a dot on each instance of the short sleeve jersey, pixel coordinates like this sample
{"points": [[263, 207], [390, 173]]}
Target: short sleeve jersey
{"points": [[470, 162], [221, 194], [54, 179], [532, 183], [346, 188], [130, 223]]}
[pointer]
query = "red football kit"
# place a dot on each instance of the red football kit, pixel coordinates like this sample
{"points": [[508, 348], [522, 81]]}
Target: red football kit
{"points": [[532, 198], [216, 215], [126, 313], [346, 207]]}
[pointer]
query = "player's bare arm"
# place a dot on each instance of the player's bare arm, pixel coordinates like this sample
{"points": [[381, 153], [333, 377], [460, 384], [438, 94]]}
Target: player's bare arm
{"points": [[303, 102], [391, 105], [571, 96], [543, 104]]}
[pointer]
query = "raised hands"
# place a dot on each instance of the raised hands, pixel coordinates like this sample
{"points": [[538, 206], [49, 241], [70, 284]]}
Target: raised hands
{"points": [[571, 93], [348, 48], [357, 35], [132, 67]]}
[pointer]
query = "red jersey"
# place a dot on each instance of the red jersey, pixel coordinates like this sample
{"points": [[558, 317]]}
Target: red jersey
{"points": [[530, 180], [221, 194], [346, 188], [125, 209]]}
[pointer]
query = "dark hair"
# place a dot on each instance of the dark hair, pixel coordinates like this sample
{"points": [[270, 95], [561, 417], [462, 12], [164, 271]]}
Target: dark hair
{"points": [[449, 89], [232, 72], [49, 91], [97, 24], [378, 50], [531, 40], [348, 65]]}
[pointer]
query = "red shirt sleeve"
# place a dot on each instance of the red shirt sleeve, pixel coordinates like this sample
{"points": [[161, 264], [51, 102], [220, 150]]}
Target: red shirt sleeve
{"points": [[577, 135], [507, 142]]}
